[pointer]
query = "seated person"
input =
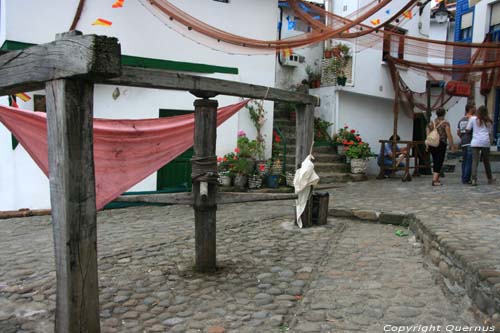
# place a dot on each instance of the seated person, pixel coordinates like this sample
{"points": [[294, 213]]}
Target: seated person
{"points": [[400, 155]]}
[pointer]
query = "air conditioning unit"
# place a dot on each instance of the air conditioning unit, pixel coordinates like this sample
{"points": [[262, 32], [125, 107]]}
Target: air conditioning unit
{"points": [[293, 60]]}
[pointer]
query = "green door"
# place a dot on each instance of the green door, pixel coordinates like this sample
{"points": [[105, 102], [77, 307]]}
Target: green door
{"points": [[176, 175]]}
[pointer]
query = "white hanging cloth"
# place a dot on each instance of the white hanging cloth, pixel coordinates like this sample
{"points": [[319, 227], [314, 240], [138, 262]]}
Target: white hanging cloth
{"points": [[305, 177]]}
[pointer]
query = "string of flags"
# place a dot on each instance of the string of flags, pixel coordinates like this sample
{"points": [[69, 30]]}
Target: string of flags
{"points": [[408, 14], [106, 23], [25, 97]]}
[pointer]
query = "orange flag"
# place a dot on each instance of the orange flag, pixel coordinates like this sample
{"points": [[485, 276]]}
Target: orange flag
{"points": [[408, 14], [118, 4], [287, 53], [375, 22], [102, 22], [23, 96]]}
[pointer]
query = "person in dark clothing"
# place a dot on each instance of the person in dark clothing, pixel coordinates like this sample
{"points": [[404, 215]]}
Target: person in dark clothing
{"points": [[465, 139], [438, 153]]}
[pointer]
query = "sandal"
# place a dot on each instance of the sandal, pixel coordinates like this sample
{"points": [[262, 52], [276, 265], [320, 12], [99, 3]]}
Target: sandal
{"points": [[436, 183]]}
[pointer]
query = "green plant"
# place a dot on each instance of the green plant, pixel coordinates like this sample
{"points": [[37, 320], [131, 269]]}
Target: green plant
{"points": [[246, 147], [257, 115], [321, 129], [359, 150], [346, 136], [340, 59], [240, 166]]}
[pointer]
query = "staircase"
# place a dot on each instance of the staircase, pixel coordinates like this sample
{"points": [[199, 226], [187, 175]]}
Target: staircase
{"points": [[330, 166]]}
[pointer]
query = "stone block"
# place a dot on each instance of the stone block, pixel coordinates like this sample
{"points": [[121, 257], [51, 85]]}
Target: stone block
{"points": [[368, 215], [340, 212], [488, 273], [396, 218]]}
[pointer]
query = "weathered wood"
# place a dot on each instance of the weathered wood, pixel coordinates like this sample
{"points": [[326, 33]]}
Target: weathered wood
{"points": [[304, 134], [161, 79], [222, 198], [163, 198], [320, 208], [72, 196], [205, 167], [95, 57]]}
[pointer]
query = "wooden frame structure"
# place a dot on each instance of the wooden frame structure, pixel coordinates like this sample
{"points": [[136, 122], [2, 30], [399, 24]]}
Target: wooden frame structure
{"points": [[67, 69]]}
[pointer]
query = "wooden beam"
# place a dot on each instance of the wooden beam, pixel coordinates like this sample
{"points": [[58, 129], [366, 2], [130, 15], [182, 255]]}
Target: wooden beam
{"points": [[161, 79], [204, 165], [222, 198], [72, 196], [304, 124], [74, 55]]}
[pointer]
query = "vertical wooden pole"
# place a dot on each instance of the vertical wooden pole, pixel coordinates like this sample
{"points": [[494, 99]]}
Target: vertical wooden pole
{"points": [[72, 196], [304, 138], [205, 205]]}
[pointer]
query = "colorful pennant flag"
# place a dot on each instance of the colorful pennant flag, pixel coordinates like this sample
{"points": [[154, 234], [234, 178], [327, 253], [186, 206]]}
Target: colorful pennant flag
{"points": [[375, 22], [23, 96], [102, 22], [118, 4], [408, 14], [287, 52], [388, 11]]}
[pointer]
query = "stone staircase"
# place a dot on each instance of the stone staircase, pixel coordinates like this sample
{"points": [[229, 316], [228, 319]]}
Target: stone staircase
{"points": [[330, 166]]}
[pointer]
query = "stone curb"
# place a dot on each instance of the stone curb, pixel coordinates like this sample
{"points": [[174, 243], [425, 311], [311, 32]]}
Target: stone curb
{"points": [[395, 218], [462, 274]]}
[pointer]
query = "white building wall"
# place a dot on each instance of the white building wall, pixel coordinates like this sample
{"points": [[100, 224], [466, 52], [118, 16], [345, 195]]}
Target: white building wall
{"points": [[2, 21], [140, 34]]}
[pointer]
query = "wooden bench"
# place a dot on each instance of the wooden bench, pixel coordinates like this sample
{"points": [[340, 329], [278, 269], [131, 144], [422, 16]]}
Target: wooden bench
{"points": [[413, 151]]}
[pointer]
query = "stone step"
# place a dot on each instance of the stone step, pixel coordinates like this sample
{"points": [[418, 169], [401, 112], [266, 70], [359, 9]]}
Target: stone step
{"points": [[325, 150], [332, 167], [283, 122], [328, 158], [281, 114], [336, 177]]}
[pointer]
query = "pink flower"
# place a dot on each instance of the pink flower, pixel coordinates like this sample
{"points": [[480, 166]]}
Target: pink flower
{"points": [[241, 133], [219, 159], [236, 150]]}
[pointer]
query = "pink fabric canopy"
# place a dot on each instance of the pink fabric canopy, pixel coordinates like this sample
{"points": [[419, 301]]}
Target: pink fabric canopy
{"points": [[125, 151]]}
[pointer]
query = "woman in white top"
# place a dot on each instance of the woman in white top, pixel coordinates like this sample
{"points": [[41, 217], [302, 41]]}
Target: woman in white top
{"points": [[480, 125]]}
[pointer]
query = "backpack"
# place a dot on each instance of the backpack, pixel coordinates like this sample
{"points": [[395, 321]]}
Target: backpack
{"points": [[433, 138]]}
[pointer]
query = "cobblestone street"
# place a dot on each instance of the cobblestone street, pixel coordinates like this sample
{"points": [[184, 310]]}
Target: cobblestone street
{"points": [[272, 277]]}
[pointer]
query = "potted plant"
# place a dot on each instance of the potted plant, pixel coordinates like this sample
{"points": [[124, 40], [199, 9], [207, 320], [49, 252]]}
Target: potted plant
{"points": [[223, 166], [345, 138], [328, 53], [313, 77], [255, 180], [339, 62], [321, 135], [240, 167], [359, 153]]}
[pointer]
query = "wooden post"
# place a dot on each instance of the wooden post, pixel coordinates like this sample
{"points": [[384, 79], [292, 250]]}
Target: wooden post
{"points": [[204, 190], [304, 134], [72, 196]]}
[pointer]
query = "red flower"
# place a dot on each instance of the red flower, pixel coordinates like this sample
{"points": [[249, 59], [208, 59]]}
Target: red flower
{"points": [[236, 150], [358, 138], [345, 126], [219, 159], [350, 143], [224, 159], [277, 139], [235, 158], [353, 131], [344, 142], [262, 167]]}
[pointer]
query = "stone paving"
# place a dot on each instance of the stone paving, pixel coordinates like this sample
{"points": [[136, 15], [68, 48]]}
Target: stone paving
{"points": [[272, 276], [459, 224]]}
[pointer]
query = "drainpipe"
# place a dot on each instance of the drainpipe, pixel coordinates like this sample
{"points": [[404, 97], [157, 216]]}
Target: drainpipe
{"points": [[279, 34], [336, 110], [420, 12]]}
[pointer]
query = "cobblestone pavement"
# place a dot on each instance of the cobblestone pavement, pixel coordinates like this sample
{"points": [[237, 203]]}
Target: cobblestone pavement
{"points": [[272, 276]]}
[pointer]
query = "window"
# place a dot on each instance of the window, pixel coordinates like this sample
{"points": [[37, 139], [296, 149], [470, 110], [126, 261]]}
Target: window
{"points": [[394, 45], [466, 26]]}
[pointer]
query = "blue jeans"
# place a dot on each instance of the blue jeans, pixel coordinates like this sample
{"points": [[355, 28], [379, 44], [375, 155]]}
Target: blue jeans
{"points": [[466, 163]]}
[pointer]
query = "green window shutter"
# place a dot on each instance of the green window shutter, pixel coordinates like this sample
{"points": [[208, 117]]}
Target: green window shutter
{"points": [[14, 140]]}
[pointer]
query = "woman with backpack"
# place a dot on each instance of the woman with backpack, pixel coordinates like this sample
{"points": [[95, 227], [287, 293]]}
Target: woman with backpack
{"points": [[480, 125], [440, 127]]}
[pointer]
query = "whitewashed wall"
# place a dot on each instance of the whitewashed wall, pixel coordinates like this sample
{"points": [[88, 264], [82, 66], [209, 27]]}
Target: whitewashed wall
{"points": [[140, 34], [2, 21], [287, 77]]}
